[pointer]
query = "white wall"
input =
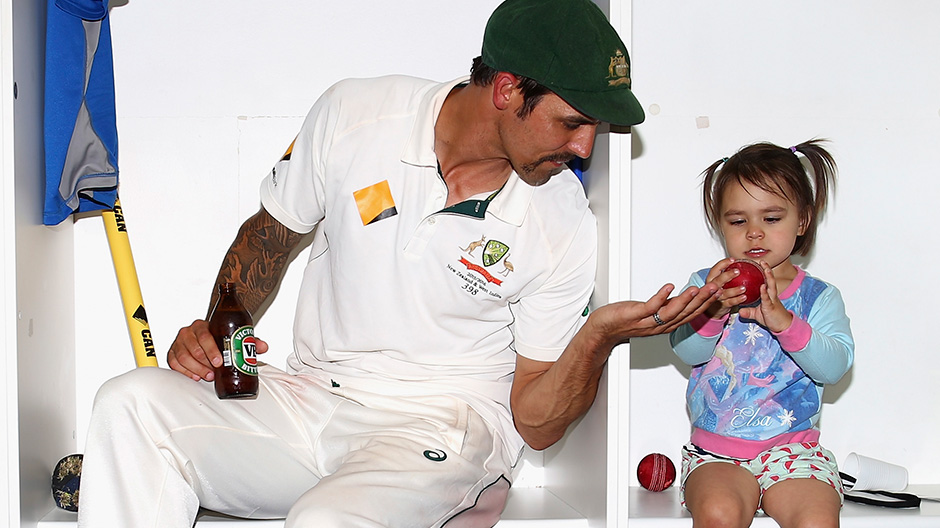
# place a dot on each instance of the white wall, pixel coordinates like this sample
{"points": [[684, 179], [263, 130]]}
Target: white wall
{"points": [[209, 95], [865, 74]]}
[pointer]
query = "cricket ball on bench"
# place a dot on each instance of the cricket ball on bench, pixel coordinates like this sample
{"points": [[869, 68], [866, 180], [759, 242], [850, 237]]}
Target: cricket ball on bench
{"points": [[751, 276], [656, 472]]}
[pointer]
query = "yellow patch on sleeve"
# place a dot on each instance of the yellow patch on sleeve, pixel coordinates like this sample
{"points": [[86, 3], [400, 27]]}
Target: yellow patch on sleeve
{"points": [[375, 203], [290, 149]]}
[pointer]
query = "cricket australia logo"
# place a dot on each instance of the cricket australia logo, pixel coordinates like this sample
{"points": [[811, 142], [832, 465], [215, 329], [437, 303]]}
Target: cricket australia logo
{"points": [[618, 71], [493, 252]]}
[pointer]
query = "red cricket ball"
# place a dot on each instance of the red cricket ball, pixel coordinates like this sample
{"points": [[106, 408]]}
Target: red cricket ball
{"points": [[656, 472], [751, 277]]}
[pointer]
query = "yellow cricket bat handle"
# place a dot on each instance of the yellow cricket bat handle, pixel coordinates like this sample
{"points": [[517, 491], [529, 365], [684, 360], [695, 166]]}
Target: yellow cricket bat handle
{"points": [[137, 325]]}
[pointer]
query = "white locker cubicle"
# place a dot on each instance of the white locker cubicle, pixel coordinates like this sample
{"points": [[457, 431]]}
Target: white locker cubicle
{"points": [[570, 484]]}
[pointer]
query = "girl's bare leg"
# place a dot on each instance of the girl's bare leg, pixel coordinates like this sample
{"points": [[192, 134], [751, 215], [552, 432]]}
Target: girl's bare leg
{"points": [[802, 503], [721, 495]]}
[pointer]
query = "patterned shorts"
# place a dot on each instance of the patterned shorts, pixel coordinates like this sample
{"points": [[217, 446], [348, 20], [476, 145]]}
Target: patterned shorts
{"points": [[784, 462]]}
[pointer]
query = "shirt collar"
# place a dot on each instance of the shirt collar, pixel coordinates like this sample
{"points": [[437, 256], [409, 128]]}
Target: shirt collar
{"points": [[419, 150], [511, 202]]}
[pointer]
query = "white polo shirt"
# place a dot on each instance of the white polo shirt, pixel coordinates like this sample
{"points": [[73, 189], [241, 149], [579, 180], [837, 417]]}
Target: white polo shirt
{"points": [[402, 296]]}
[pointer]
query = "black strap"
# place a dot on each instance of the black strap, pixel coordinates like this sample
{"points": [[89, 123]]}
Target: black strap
{"points": [[886, 499]]}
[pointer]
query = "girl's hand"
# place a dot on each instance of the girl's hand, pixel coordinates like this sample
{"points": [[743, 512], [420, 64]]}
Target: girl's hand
{"points": [[770, 312], [727, 299]]}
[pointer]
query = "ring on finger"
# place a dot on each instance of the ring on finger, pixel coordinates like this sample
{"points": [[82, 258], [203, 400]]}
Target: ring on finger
{"points": [[659, 321]]}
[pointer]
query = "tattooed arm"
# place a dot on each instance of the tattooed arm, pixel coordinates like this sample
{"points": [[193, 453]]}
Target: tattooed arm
{"points": [[255, 262], [256, 259]]}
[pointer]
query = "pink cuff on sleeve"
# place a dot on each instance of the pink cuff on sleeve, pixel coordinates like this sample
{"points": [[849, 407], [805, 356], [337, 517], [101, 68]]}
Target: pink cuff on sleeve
{"points": [[795, 338], [706, 326]]}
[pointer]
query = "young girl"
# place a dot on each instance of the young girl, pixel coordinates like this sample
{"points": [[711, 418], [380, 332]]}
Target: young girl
{"points": [[755, 392]]}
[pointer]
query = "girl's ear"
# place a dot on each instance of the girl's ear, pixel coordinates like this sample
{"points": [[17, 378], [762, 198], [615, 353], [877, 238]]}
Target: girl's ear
{"points": [[804, 223]]}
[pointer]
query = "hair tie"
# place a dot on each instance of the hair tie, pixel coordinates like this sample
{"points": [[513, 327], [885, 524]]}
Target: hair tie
{"points": [[724, 160], [793, 150]]}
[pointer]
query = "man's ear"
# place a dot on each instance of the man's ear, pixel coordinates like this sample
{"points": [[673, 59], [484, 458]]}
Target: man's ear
{"points": [[505, 87]]}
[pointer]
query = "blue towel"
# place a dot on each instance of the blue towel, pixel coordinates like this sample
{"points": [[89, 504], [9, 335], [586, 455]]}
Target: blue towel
{"points": [[79, 126]]}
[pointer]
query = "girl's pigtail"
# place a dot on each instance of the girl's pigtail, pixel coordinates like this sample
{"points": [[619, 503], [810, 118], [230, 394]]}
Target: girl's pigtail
{"points": [[708, 194], [824, 171]]}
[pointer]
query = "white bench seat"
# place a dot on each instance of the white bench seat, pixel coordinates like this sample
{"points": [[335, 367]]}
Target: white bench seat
{"points": [[526, 508], [540, 508], [662, 510]]}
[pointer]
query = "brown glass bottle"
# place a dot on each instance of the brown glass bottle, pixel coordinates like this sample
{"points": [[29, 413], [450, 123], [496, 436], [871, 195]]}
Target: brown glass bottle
{"points": [[231, 325]]}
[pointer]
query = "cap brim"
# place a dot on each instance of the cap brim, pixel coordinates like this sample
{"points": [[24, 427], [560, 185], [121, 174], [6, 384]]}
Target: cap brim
{"points": [[617, 107]]}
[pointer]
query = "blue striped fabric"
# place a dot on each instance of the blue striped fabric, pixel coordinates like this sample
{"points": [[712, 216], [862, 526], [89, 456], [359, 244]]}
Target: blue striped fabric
{"points": [[80, 128]]}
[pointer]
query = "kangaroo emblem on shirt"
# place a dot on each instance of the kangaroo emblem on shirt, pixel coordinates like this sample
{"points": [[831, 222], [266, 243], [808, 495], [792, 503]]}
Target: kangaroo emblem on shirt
{"points": [[474, 245]]}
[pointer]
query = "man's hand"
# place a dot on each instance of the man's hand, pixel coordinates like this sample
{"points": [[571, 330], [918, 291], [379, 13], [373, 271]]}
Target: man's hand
{"points": [[617, 322], [547, 397], [195, 354]]}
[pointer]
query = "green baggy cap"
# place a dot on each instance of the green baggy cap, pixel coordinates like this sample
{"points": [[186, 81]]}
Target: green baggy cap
{"points": [[569, 47]]}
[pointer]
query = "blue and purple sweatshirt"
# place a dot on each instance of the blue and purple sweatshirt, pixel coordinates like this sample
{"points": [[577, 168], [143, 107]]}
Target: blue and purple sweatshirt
{"points": [[752, 389]]}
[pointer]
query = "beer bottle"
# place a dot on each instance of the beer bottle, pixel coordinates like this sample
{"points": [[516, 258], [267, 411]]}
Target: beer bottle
{"points": [[231, 326]]}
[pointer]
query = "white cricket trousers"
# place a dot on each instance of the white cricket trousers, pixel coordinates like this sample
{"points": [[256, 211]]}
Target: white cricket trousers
{"points": [[161, 445]]}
